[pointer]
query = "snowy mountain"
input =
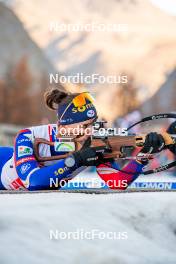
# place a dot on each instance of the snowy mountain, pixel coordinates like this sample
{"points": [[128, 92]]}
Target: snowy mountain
{"points": [[146, 50], [164, 98], [16, 44]]}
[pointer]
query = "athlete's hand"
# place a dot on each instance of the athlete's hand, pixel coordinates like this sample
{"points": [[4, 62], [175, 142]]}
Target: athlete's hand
{"points": [[154, 143], [172, 130], [88, 156]]}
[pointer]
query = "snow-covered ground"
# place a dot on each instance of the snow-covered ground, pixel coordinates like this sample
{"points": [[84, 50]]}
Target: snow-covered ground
{"points": [[145, 221]]}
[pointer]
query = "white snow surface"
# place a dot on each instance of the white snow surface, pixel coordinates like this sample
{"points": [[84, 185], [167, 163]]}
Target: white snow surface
{"points": [[148, 218]]}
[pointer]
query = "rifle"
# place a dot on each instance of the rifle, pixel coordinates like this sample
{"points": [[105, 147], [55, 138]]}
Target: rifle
{"points": [[112, 146]]}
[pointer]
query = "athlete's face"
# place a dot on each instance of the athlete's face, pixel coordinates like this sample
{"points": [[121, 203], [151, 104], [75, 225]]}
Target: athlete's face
{"points": [[79, 131]]}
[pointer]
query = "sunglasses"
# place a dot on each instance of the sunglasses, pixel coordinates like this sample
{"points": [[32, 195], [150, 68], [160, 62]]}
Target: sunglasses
{"points": [[78, 101]]}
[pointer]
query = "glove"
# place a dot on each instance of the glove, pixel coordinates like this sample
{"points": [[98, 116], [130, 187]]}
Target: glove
{"points": [[88, 156], [172, 130], [154, 143]]}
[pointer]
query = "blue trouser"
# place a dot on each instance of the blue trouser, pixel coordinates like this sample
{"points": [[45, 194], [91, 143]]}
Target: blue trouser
{"points": [[5, 154]]}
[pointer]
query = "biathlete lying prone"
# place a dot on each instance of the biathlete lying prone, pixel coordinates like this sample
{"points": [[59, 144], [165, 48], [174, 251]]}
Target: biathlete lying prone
{"points": [[19, 168]]}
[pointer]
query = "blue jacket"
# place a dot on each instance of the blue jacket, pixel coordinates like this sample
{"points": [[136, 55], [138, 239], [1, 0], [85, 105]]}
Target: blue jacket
{"points": [[19, 168]]}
